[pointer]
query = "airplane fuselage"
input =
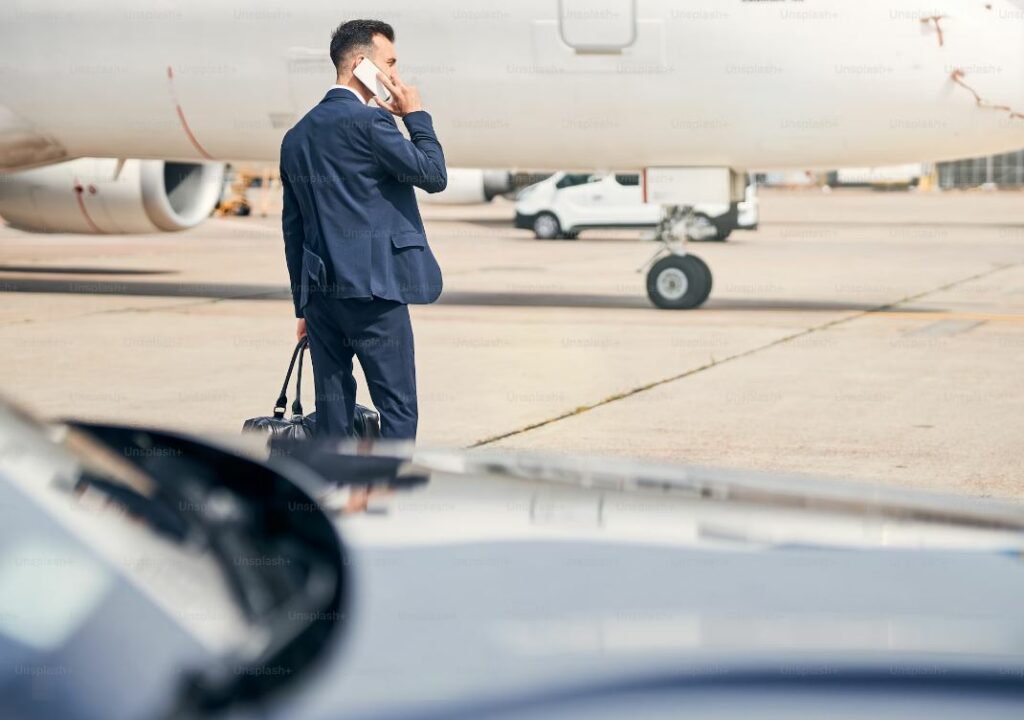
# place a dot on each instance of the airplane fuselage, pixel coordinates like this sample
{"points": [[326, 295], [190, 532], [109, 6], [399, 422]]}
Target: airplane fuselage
{"points": [[531, 84]]}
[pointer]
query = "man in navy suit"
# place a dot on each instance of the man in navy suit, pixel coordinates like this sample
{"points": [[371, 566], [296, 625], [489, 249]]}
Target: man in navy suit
{"points": [[354, 240]]}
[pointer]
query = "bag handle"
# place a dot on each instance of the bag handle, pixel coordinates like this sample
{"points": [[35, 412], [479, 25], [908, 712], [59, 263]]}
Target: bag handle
{"points": [[297, 405], [282, 399]]}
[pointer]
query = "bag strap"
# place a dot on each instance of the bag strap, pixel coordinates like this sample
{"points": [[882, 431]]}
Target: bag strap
{"points": [[282, 399], [297, 405]]}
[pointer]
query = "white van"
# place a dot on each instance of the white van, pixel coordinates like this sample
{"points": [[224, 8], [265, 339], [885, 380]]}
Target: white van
{"points": [[566, 203]]}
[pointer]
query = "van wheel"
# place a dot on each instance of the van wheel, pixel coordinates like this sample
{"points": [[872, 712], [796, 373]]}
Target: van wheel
{"points": [[546, 227]]}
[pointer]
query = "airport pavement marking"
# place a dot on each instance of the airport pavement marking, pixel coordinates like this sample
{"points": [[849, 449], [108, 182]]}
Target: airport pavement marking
{"points": [[969, 316], [885, 309]]}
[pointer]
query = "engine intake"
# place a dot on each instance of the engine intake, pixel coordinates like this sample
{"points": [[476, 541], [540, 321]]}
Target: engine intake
{"points": [[89, 195]]}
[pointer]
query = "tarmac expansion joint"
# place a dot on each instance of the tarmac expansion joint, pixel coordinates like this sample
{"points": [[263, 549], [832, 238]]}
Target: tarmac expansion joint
{"points": [[582, 409]]}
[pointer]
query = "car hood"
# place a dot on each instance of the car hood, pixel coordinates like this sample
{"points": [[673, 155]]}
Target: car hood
{"points": [[507, 575]]}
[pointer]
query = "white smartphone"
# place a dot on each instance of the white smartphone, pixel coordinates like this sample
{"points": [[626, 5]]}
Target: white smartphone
{"points": [[366, 71]]}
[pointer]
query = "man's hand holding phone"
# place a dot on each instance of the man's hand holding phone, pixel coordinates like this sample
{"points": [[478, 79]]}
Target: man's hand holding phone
{"points": [[404, 98]]}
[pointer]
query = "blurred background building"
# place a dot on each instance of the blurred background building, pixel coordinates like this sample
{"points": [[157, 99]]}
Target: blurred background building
{"points": [[1006, 170]]}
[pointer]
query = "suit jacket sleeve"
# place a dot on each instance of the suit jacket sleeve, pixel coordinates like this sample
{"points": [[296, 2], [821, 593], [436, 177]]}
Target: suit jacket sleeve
{"points": [[419, 160], [294, 240]]}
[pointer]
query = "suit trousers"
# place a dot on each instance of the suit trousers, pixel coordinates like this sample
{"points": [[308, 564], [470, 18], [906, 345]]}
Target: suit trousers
{"points": [[378, 333]]}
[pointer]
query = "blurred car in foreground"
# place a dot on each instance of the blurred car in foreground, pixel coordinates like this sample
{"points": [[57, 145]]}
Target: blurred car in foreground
{"points": [[146, 574], [565, 204]]}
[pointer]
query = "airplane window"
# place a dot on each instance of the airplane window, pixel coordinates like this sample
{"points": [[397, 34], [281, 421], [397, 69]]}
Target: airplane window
{"points": [[571, 179], [628, 179]]}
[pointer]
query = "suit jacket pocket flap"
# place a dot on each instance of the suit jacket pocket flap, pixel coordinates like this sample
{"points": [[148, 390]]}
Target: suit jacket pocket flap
{"points": [[313, 266], [408, 239]]}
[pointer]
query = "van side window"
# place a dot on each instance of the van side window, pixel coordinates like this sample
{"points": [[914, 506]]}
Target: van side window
{"points": [[627, 179]]}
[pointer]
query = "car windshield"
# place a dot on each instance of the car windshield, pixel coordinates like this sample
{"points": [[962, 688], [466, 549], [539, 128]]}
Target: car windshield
{"points": [[106, 525]]}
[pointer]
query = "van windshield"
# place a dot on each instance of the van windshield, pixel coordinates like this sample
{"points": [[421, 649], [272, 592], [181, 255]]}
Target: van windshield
{"points": [[571, 179]]}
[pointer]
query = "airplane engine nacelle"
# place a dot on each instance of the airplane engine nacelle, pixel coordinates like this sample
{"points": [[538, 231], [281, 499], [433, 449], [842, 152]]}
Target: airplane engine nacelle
{"points": [[469, 186], [89, 195]]}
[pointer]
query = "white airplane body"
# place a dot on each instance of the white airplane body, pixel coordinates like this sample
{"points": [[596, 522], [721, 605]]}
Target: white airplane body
{"points": [[696, 83], [535, 84]]}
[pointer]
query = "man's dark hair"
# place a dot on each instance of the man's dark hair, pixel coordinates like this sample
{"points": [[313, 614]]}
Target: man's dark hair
{"points": [[355, 34]]}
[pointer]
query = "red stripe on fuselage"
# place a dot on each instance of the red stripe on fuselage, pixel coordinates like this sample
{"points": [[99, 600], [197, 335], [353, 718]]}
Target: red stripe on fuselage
{"points": [[184, 121]]}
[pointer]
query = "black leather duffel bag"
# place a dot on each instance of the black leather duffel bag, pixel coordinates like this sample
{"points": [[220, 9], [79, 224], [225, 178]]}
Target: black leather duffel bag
{"points": [[302, 427]]}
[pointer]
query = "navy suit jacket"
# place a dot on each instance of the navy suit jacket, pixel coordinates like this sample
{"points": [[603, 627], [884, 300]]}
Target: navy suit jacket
{"points": [[352, 228]]}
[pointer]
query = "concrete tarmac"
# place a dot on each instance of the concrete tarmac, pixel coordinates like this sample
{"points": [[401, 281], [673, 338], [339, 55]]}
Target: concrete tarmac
{"points": [[876, 336]]}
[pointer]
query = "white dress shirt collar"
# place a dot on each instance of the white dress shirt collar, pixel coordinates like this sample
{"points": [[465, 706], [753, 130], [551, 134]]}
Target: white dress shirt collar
{"points": [[346, 87]]}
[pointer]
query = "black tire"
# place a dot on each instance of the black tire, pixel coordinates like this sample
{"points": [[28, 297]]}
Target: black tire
{"points": [[546, 226], [570, 234], [721, 233], [243, 210], [665, 285]]}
